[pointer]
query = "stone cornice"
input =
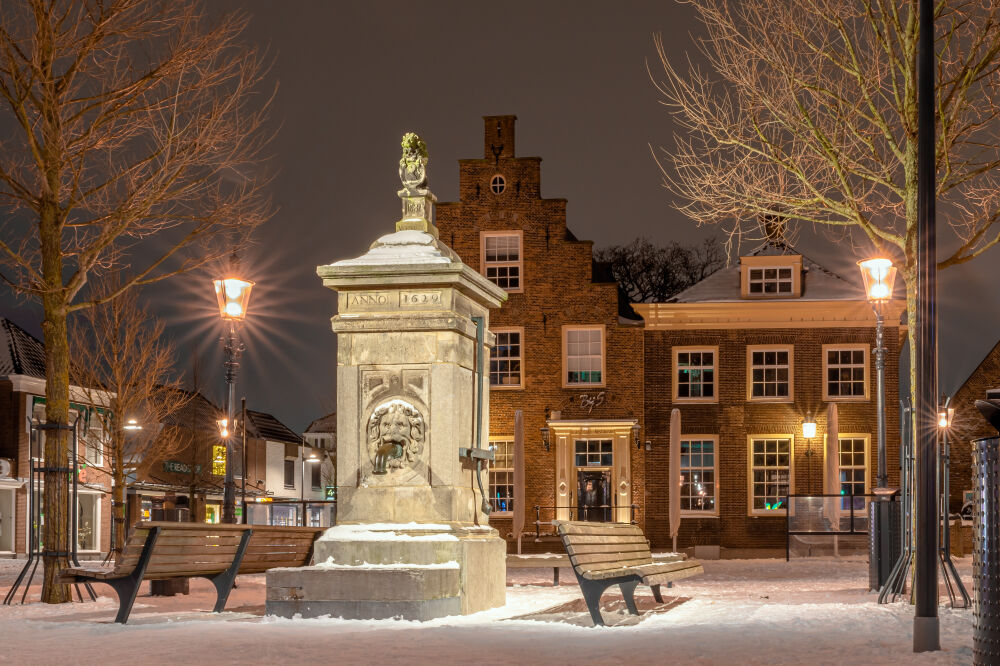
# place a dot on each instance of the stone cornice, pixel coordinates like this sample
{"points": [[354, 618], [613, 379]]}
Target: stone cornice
{"points": [[756, 314]]}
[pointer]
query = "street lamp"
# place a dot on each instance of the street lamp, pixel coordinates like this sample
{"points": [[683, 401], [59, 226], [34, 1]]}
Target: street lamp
{"points": [[313, 458], [131, 424], [879, 275], [233, 294]]}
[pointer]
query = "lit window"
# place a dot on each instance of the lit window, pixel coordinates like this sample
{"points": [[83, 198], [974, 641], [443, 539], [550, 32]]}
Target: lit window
{"points": [[853, 471], [698, 475], [694, 374], [502, 476], [505, 359], [502, 260], [498, 184], [776, 280], [846, 370], [770, 374], [593, 453], [584, 349], [770, 474]]}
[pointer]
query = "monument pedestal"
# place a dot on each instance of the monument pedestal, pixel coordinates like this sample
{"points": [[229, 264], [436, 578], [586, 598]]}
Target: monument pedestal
{"points": [[412, 432]]}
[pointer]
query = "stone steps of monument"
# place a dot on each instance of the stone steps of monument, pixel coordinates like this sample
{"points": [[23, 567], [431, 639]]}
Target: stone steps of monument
{"points": [[411, 592]]}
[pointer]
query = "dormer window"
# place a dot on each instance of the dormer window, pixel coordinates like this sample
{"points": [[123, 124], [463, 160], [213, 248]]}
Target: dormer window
{"points": [[773, 280], [771, 276]]}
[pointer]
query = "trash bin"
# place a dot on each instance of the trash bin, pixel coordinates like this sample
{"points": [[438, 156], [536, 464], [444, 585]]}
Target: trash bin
{"points": [[885, 538], [986, 551]]}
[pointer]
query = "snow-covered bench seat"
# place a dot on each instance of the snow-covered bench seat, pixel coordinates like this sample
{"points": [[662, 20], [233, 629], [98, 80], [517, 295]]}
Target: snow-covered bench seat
{"points": [[606, 554]]}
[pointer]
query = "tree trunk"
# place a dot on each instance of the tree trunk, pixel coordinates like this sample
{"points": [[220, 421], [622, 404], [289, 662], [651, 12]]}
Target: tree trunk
{"points": [[118, 508]]}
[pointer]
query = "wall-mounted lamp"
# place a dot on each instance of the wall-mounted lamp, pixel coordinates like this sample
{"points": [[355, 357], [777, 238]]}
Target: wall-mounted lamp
{"points": [[636, 428], [945, 417], [809, 428], [545, 437], [649, 445]]}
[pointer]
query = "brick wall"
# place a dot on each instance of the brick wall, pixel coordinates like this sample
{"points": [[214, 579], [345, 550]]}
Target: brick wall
{"points": [[733, 419], [968, 423]]}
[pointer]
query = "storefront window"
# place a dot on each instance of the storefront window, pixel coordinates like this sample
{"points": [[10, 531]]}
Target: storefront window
{"points": [[87, 522]]}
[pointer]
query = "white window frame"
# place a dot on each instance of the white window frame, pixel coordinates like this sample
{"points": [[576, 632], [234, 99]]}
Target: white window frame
{"points": [[520, 380], [494, 182], [509, 443], [791, 373], [97, 497], [764, 281], [865, 349], [284, 475], [565, 355], [751, 511], [714, 512], [675, 378], [483, 264], [867, 461]]}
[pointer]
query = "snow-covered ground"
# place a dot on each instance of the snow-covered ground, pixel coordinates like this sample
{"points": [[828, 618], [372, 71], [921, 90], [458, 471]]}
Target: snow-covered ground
{"points": [[740, 612]]}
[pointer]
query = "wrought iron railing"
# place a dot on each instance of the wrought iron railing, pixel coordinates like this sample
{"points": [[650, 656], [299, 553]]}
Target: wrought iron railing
{"points": [[601, 513]]}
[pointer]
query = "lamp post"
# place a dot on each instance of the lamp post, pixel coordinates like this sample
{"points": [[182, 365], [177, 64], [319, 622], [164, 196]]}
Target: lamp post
{"points": [[879, 275], [312, 459], [233, 294]]}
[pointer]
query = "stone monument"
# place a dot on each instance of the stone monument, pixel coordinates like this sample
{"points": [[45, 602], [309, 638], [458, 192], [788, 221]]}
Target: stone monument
{"points": [[412, 539]]}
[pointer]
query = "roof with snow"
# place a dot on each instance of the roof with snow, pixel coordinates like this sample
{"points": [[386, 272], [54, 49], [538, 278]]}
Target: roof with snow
{"points": [[267, 427], [20, 352], [818, 283], [324, 424]]}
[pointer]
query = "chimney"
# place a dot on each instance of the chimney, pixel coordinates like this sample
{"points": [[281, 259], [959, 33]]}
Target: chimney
{"points": [[498, 137]]}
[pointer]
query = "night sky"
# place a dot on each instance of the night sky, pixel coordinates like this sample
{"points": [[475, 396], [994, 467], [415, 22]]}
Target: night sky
{"points": [[354, 76]]}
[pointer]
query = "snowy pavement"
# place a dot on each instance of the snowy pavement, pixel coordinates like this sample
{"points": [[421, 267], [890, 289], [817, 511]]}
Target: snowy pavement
{"points": [[740, 612]]}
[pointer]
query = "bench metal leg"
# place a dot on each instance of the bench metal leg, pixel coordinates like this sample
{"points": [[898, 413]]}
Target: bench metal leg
{"points": [[555, 576], [128, 587], [656, 593], [628, 592], [592, 591], [224, 581]]}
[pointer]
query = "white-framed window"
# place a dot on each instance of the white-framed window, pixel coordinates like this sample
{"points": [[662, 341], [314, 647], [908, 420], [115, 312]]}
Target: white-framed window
{"points": [[770, 473], [766, 280], [695, 374], [88, 522], [583, 356], [289, 473], [699, 465], [845, 372], [502, 261], [506, 358], [91, 444], [769, 373], [852, 468], [498, 184], [502, 476], [593, 453]]}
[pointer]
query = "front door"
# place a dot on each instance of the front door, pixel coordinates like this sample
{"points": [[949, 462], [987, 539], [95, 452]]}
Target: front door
{"points": [[593, 495]]}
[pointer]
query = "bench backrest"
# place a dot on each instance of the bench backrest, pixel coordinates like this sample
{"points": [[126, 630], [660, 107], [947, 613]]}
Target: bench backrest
{"points": [[183, 549], [273, 546], [603, 546]]}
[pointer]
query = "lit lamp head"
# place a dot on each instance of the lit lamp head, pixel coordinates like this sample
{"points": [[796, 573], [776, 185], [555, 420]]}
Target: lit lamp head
{"points": [[945, 417], [545, 437], [313, 458], [223, 428], [234, 297], [636, 429], [879, 275], [132, 424], [809, 428]]}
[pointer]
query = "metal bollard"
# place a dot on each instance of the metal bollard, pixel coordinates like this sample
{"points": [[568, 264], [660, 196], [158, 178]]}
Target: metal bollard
{"points": [[986, 551]]}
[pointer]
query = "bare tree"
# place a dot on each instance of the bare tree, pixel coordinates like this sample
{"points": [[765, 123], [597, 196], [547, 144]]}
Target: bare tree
{"points": [[121, 359], [130, 137], [808, 112], [650, 274]]}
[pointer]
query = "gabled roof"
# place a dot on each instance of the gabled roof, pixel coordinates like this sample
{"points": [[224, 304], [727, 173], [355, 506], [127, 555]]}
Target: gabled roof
{"points": [[20, 352], [324, 424], [818, 283], [267, 427]]}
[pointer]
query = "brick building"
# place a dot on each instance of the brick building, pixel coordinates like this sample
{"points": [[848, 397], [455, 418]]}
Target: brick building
{"points": [[568, 353], [746, 355]]}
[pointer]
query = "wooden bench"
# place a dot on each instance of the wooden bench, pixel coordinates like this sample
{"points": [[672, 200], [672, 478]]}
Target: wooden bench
{"points": [[273, 546], [162, 550], [606, 554]]}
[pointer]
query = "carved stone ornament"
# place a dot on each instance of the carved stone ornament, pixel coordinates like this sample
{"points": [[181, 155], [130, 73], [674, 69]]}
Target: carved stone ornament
{"points": [[413, 165], [395, 436]]}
